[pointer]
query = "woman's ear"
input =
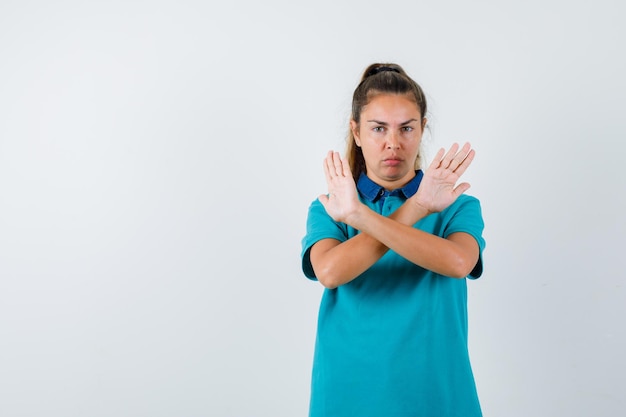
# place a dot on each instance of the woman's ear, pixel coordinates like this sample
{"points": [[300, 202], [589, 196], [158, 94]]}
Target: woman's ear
{"points": [[424, 122], [354, 127]]}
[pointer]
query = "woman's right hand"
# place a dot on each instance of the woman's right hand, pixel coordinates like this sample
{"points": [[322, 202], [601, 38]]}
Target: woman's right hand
{"points": [[438, 187], [342, 199]]}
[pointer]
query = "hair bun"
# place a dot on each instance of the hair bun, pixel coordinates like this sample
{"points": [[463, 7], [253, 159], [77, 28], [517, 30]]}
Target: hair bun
{"points": [[382, 68]]}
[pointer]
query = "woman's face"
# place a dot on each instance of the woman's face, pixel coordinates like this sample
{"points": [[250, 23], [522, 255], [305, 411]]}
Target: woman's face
{"points": [[389, 134]]}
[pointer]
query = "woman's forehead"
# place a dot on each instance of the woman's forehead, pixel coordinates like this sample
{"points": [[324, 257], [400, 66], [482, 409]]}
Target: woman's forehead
{"points": [[391, 105]]}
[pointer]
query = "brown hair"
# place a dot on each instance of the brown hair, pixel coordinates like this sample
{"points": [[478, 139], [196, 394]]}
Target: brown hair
{"points": [[379, 79]]}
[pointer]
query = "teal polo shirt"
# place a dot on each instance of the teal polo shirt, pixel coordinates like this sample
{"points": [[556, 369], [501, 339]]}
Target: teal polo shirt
{"points": [[393, 341]]}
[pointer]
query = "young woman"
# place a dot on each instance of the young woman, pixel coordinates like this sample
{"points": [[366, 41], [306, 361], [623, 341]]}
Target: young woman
{"points": [[393, 246]]}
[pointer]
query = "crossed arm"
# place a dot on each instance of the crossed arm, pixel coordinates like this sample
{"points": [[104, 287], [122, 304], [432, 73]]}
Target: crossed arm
{"points": [[336, 263]]}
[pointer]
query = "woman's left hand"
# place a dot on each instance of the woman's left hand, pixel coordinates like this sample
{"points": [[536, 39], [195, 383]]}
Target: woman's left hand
{"points": [[439, 188], [342, 200]]}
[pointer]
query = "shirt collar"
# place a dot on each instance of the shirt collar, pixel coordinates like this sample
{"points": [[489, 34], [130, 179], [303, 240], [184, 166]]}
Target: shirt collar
{"points": [[372, 191]]}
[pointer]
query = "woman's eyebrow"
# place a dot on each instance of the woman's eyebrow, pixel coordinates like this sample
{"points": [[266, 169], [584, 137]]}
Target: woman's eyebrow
{"points": [[386, 124]]}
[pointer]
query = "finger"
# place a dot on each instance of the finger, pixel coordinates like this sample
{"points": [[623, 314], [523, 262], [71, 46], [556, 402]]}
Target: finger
{"points": [[461, 188], [328, 167], [460, 156], [337, 164], [465, 163], [326, 170], [462, 153], [449, 158], [436, 163], [346, 167]]}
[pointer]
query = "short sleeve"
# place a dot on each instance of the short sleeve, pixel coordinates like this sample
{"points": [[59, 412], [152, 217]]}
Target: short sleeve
{"points": [[319, 225], [465, 215]]}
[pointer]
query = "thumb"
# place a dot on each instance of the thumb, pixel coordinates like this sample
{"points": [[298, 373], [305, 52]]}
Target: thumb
{"points": [[461, 188]]}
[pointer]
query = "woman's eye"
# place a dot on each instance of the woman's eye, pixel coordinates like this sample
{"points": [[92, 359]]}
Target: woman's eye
{"points": [[407, 128], [379, 129]]}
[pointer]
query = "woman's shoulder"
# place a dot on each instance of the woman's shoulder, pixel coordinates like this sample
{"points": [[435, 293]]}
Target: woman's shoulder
{"points": [[465, 207], [464, 200]]}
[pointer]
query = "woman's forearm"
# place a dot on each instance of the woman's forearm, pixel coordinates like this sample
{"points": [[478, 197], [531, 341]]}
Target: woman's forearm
{"points": [[336, 263], [454, 256]]}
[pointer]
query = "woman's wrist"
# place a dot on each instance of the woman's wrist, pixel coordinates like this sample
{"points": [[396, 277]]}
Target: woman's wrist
{"points": [[419, 207], [356, 218]]}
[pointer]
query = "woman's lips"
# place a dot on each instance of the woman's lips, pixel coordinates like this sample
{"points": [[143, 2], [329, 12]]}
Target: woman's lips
{"points": [[392, 162]]}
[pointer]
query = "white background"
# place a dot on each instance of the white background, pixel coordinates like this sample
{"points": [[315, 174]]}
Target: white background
{"points": [[157, 159]]}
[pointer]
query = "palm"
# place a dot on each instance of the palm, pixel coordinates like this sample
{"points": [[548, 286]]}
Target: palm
{"points": [[438, 188], [342, 199]]}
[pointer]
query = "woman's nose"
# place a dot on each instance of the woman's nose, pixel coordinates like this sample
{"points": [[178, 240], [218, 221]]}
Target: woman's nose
{"points": [[392, 141]]}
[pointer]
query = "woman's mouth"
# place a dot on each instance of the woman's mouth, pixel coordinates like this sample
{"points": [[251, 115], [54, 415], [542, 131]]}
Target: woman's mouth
{"points": [[392, 162]]}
